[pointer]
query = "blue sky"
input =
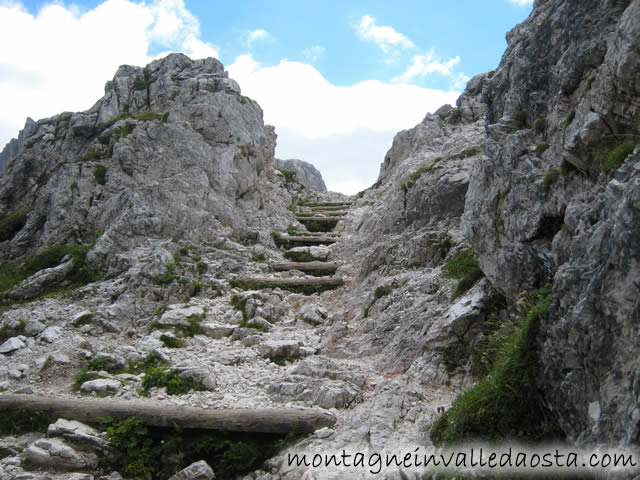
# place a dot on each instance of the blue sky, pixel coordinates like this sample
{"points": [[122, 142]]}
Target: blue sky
{"points": [[337, 78]]}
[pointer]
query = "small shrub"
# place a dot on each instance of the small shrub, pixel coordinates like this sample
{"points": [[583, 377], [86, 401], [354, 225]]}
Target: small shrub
{"points": [[381, 292], [521, 119], [99, 173], [617, 156], [541, 148], [171, 342], [540, 125], [290, 176], [201, 268], [550, 177], [11, 223], [299, 256], [259, 257], [168, 276], [140, 83]]}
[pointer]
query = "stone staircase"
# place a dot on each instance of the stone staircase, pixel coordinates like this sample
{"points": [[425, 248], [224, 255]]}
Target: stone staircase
{"points": [[307, 251]]}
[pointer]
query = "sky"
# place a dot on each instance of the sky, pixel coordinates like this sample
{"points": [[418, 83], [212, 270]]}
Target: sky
{"points": [[338, 79]]}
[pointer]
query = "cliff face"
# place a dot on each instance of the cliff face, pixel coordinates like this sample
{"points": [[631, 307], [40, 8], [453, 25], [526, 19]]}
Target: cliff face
{"points": [[172, 151], [306, 174], [548, 205]]}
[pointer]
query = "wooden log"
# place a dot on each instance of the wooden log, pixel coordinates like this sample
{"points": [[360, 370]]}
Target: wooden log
{"points": [[322, 214], [156, 414], [310, 240], [303, 219], [305, 266], [292, 282]]}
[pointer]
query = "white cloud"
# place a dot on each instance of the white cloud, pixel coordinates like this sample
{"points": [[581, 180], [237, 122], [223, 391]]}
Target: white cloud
{"points": [[258, 34], [60, 58], [384, 36], [423, 65], [334, 127], [521, 3], [313, 53]]}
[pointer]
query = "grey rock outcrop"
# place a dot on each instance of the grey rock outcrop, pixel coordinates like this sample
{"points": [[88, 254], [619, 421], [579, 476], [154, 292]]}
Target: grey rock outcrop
{"points": [[172, 151], [545, 206], [306, 174], [196, 471]]}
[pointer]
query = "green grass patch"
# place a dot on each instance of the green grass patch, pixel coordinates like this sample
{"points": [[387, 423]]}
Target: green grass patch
{"points": [[168, 276], [259, 257], [82, 273], [7, 331], [283, 360], [11, 223], [413, 177], [169, 379], [81, 377], [149, 452], [91, 156], [281, 242], [22, 420], [254, 325], [467, 152], [541, 148], [299, 256], [506, 404], [100, 174], [464, 268], [616, 157]]}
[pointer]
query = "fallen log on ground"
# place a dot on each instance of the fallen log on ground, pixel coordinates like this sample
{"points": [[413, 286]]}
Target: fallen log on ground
{"points": [[156, 414]]}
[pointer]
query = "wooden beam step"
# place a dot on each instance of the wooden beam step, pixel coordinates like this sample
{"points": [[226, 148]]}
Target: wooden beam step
{"points": [[304, 285], [316, 219], [305, 266], [322, 214], [156, 414], [311, 239], [326, 204]]}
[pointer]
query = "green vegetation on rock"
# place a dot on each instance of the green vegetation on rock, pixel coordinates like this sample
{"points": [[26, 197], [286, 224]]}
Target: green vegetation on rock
{"points": [[506, 404], [11, 223], [463, 267]]}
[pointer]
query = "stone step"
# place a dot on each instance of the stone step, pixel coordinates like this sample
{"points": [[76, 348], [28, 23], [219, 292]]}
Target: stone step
{"points": [[313, 268], [303, 285]]}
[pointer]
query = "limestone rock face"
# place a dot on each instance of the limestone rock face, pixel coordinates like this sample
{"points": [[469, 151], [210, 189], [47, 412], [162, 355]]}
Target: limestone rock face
{"points": [[544, 206], [306, 174], [172, 151]]}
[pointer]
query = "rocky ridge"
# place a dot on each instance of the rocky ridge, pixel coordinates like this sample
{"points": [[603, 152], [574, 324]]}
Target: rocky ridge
{"points": [[306, 174]]}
